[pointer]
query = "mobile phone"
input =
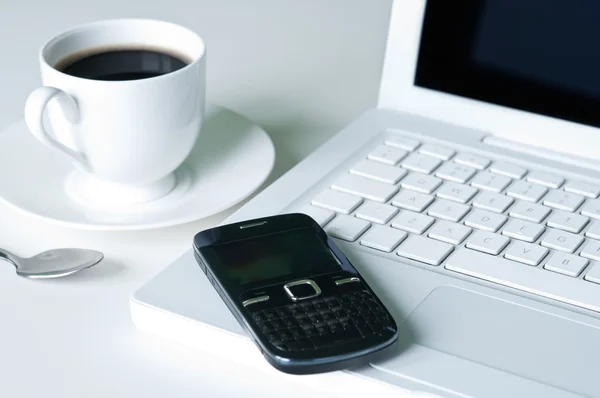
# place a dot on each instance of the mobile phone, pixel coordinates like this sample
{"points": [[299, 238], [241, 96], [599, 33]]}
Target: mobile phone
{"points": [[296, 294]]}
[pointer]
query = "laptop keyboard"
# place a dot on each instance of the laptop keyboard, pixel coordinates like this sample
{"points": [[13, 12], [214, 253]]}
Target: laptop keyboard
{"points": [[468, 214]]}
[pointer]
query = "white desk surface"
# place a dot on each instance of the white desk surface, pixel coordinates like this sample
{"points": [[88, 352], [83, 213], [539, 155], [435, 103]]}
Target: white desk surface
{"points": [[301, 69]]}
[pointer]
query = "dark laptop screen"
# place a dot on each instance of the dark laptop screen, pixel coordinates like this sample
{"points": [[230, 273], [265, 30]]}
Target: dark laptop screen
{"points": [[541, 56]]}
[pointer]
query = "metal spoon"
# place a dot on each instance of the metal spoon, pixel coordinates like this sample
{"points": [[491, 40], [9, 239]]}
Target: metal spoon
{"points": [[53, 263]]}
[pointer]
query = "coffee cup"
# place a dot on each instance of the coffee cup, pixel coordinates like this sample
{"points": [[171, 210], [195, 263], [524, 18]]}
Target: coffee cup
{"points": [[124, 101]]}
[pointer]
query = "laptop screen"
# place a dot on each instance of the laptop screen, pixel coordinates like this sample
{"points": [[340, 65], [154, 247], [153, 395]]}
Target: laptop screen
{"points": [[536, 55]]}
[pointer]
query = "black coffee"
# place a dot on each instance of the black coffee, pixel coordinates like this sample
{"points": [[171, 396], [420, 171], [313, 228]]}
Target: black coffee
{"points": [[119, 64]]}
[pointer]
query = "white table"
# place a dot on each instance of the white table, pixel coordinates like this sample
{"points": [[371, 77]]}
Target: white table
{"points": [[301, 69]]}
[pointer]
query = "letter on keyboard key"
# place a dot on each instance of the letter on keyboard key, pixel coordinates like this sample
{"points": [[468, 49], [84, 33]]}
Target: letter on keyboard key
{"points": [[594, 231], [447, 210], [582, 188], [492, 202], [455, 172], [526, 191], [449, 232], [591, 208], [387, 155], [567, 221], [412, 222], [485, 220], [563, 200], [562, 241], [591, 250], [321, 216], [347, 228], [526, 253], [376, 212], [490, 182], [566, 264], [425, 250], [383, 238], [487, 242], [420, 183], [523, 230], [529, 279], [478, 162], [546, 179], [378, 171], [436, 151], [403, 143], [365, 188], [411, 200], [421, 163], [456, 192], [336, 201], [508, 169], [529, 211]]}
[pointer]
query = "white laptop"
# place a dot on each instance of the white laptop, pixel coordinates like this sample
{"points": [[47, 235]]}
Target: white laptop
{"points": [[468, 200]]}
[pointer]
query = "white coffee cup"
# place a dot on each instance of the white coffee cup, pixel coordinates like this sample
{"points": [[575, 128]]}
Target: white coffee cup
{"points": [[126, 137]]}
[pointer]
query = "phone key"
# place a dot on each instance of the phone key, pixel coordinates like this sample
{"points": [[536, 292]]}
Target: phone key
{"points": [[322, 307], [311, 331], [347, 228], [298, 333], [339, 313], [277, 324], [487, 242], [526, 191], [472, 160], [272, 336], [421, 163], [270, 314], [412, 222], [526, 253], [591, 208], [523, 230], [292, 346], [494, 202], [283, 312], [321, 216], [295, 310], [266, 327], [490, 182], [378, 171], [567, 221], [365, 188], [436, 151], [410, 200], [289, 323], [447, 210], [387, 155], [335, 327], [403, 143], [317, 320], [305, 344], [529, 211], [305, 323], [383, 238], [329, 317], [322, 329], [582, 188], [346, 324], [425, 250], [337, 201], [546, 179], [376, 212], [259, 317], [485, 220], [508, 169], [563, 200], [456, 192], [420, 182], [286, 335], [455, 172], [563, 241]]}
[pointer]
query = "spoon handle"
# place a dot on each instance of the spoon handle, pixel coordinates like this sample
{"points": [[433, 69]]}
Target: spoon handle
{"points": [[10, 257]]}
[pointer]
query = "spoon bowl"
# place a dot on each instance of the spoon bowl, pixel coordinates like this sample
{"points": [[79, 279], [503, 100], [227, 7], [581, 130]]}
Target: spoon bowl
{"points": [[53, 263]]}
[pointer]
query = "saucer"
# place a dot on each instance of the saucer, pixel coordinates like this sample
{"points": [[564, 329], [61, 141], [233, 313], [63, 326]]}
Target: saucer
{"points": [[232, 158]]}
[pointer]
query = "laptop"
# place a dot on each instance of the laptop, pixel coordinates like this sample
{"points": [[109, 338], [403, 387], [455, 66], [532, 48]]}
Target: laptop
{"points": [[468, 200]]}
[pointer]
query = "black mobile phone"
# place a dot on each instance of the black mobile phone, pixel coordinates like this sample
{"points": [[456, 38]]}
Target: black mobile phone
{"points": [[296, 294]]}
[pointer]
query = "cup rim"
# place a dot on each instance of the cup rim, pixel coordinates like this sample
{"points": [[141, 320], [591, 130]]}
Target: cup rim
{"points": [[61, 35]]}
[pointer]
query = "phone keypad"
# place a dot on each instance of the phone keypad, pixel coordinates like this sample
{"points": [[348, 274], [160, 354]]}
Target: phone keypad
{"points": [[323, 322]]}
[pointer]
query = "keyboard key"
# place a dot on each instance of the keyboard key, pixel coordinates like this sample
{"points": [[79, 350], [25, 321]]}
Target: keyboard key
{"points": [[425, 250], [591, 250], [376, 212], [591, 208], [447, 210], [411, 200], [365, 188], [492, 201], [566, 221], [485, 220], [407, 144], [526, 253], [336, 201], [412, 222], [347, 228], [490, 182], [563, 200], [547, 179], [526, 191], [387, 155], [456, 192], [583, 188], [383, 238], [420, 183], [566, 264], [529, 279], [421, 163], [562, 241], [529, 211], [449, 232], [470, 160], [594, 230], [487, 242], [593, 274], [321, 216], [523, 230], [455, 172], [378, 171], [508, 170], [436, 151]]}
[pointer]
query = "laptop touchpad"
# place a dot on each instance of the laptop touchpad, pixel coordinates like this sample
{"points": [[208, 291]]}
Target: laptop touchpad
{"points": [[509, 337]]}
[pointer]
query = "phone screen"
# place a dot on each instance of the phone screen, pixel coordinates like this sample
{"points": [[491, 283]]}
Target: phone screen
{"points": [[270, 256]]}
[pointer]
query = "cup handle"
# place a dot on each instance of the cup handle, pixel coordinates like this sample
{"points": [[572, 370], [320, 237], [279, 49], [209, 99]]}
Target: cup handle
{"points": [[34, 118]]}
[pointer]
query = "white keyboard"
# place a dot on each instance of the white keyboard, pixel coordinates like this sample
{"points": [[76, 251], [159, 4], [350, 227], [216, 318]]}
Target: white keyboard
{"points": [[500, 222]]}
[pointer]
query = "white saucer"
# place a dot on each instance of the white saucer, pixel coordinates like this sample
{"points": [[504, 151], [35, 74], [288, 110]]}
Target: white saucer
{"points": [[231, 160]]}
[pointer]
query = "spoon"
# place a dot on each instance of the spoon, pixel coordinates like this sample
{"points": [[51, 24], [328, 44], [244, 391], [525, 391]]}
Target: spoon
{"points": [[53, 263]]}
